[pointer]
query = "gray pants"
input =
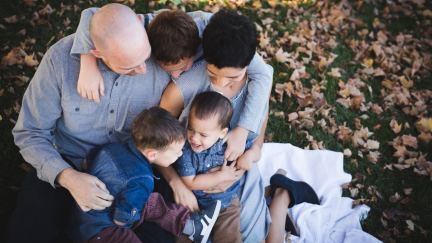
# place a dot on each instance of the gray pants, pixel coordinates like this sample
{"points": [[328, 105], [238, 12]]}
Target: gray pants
{"points": [[254, 215]]}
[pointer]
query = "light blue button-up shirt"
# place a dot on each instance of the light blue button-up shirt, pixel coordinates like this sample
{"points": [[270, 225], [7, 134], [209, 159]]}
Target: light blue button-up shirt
{"points": [[55, 123]]}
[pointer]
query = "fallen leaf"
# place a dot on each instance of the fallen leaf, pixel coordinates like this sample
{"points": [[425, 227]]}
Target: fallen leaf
{"points": [[395, 126]]}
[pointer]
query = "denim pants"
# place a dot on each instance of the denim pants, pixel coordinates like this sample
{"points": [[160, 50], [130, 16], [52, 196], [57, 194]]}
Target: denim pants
{"points": [[42, 215]]}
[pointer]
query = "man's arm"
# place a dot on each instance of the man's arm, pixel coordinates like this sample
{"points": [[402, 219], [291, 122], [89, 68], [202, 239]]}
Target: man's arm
{"points": [[172, 100], [33, 134], [259, 88]]}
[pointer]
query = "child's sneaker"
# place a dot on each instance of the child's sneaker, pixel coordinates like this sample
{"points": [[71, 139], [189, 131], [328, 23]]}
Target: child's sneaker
{"points": [[204, 222]]}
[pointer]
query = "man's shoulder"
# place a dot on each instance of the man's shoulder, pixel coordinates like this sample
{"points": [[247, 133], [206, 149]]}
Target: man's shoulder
{"points": [[60, 51]]}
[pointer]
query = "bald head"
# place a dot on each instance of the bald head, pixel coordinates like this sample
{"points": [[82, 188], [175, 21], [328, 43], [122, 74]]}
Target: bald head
{"points": [[119, 37]]}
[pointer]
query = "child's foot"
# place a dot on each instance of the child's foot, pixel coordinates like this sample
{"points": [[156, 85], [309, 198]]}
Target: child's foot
{"points": [[299, 191], [204, 222]]}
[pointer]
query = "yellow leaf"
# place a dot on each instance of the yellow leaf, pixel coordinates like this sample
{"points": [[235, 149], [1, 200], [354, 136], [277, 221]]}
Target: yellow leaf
{"points": [[368, 62], [30, 60], [406, 83]]}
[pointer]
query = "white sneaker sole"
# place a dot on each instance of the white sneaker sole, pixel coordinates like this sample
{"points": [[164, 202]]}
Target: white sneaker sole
{"points": [[212, 221]]}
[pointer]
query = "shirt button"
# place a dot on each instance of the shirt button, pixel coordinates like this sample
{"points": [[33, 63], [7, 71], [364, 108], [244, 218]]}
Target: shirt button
{"points": [[116, 83], [110, 132], [112, 111], [77, 109], [208, 165]]}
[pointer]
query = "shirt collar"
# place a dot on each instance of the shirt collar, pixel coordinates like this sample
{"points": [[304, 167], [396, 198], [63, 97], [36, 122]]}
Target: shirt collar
{"points": [[133, 148]]}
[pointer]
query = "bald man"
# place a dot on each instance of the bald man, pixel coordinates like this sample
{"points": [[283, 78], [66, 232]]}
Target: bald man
{"points": [[56, 127]]}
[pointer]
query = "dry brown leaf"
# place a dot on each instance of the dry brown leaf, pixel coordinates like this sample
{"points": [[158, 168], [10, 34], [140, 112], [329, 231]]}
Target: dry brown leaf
{"points": [[292, 116], [395, 126], [11, 20], [335, 72], [282, 56], [409, 140], [30, 60], [347, 152], [15, 56], [372, 144]]}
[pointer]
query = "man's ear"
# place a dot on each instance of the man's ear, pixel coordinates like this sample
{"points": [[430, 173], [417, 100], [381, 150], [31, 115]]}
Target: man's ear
{"points": [[141, 18], [96, 53], [150, 154], [224, 132]]}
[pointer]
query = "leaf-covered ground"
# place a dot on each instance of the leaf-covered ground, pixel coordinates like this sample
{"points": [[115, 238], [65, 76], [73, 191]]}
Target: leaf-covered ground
{"points": [[350, 76]]}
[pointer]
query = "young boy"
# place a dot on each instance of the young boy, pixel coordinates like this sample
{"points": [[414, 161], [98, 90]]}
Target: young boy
{"points": [[208, 124], [157, 139]]}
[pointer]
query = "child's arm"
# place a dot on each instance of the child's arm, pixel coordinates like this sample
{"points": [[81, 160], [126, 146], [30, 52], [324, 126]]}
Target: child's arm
{"points": [[253, 154], [259, 88], [129, 203], [90, 82], [212, 179]]}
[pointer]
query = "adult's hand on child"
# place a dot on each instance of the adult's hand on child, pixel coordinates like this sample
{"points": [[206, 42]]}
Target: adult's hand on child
{"points": [[236, 142], [246, 160], [87, 190], [90, 81], [184, 196], [230, 175]]}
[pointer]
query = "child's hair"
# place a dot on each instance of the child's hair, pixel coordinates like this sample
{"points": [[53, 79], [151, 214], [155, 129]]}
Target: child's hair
{"points": [[209, 104], [156, 128], [173, 35], [229, 40]]}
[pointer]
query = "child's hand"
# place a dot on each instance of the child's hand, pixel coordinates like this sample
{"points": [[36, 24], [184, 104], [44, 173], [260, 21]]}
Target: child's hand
{"points": [[236, 142], [245, 161], [90, 81]]}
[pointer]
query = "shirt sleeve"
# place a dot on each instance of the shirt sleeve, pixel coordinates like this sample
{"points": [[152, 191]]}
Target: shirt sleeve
{"points": [[40, 110], [259, 87], [82, 43], [129, 203]]}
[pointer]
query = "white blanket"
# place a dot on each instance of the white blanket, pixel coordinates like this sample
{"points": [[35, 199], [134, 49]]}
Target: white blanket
{"points": [[334, 220]]}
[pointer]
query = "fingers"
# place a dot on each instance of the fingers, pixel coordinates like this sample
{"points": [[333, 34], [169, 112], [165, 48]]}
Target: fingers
{"points": [[84, 208], [101, 88], [95, 96]]}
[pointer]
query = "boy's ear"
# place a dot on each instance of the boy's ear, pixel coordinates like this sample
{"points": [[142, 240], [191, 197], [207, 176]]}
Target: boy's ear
{"points": [[224, 132], [149, 153], [96, 53]]}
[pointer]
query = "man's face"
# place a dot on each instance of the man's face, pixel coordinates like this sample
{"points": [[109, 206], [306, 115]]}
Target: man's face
{"points": [[177, 68], [224, 78]]}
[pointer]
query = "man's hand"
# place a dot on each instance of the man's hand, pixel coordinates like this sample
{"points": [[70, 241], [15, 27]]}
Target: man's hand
{"points": [[230, 175], [87, 190], [236, 142], [90, 81], [184, 196], [245, 161]]}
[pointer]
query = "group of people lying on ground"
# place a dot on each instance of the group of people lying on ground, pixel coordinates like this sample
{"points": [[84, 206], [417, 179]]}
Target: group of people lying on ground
{"points": [[147, 128]]}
